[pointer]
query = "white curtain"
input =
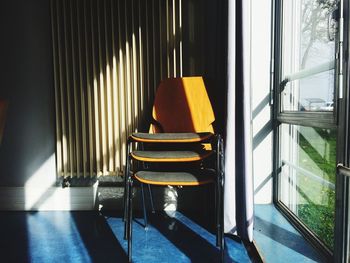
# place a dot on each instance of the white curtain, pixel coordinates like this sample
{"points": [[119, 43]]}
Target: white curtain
{"points": [[238, 197]]}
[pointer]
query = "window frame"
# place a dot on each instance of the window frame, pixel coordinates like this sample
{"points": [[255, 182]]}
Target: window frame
{"points": [[334, 119]]}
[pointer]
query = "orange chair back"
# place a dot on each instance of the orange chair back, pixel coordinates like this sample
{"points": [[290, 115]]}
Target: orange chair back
{"points": [[182, 105]]}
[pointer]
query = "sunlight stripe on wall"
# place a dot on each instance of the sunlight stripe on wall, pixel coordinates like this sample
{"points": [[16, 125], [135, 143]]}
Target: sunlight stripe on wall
{"points": [[109, 56]]}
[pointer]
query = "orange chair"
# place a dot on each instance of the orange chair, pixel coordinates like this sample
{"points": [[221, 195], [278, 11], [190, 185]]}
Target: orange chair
{"points": [[181, 132]]}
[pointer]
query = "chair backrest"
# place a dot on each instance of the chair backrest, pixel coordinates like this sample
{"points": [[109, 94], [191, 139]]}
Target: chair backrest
{"points": [[182, 105]]}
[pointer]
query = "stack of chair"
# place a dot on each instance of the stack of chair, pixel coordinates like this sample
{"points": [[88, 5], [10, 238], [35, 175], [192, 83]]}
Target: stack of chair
{"points": [[181, 148]]}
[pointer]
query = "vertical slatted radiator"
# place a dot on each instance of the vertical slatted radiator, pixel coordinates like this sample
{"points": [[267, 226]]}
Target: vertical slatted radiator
{"points": [[109, 56]]}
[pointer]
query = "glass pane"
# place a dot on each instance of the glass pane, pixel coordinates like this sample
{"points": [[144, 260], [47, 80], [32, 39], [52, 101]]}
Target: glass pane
{"points": [[314, 93], [308, 53], [307, 177]]}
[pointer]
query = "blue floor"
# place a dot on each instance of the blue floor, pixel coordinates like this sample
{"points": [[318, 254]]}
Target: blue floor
{"points": [[92, 237], [278, 241]]}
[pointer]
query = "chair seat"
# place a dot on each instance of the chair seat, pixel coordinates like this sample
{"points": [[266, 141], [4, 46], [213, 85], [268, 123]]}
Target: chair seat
{"points": [[170, 156], [192, 178], [171, 137]]}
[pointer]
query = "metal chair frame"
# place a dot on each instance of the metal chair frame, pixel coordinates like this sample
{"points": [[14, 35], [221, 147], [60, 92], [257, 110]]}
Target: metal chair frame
{"points": [[217, 143]]}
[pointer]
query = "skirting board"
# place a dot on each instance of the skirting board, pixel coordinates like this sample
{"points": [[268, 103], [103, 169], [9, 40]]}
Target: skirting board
{"points": [[48, 199]]}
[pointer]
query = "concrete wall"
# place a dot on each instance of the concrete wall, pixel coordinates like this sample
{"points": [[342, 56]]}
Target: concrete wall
{"points": [[26, 75], [261, 110]]}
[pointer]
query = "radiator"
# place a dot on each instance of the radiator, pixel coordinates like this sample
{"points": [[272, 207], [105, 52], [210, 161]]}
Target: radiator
{"points": [[109, 56]]}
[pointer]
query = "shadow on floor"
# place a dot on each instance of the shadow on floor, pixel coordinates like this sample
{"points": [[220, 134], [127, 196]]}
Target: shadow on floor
{"points": [[58, 237], [174, 237], [93, 237], [284, 237], [278, 241]]}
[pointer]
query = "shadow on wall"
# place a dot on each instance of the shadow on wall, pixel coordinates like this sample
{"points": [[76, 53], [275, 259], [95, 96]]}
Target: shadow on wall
{"points": [[262, 134], [3, 110], [109, 57], [26, 72], [204, 36]]}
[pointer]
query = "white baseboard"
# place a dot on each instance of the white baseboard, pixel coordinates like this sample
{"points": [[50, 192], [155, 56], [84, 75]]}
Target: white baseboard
{"points": [[48, 199]]}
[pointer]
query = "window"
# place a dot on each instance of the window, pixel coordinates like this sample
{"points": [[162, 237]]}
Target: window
{"points": [[305, 111]]}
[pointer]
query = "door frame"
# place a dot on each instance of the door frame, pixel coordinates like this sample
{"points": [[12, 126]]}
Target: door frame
{"points": [[341, 252], [340, 119]]}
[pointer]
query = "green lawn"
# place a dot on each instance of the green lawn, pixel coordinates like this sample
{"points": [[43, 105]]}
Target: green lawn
{"points": [[316, 201]]}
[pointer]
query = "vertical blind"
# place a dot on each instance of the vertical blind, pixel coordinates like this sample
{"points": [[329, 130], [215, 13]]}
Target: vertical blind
{"points": [[109, 56]]}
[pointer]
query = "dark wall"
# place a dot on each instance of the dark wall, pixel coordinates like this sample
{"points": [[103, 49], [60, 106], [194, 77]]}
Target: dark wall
{"points": [[205, 50], [26, 75]]}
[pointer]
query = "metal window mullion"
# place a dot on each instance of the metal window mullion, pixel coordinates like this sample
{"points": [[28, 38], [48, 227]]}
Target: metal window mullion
{"points": [[342, 226], [277, 9]]}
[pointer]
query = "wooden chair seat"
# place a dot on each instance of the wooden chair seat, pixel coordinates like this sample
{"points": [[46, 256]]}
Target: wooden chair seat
{"points": [[190, 178], [181, 149], [184, 137], [170, 156]]}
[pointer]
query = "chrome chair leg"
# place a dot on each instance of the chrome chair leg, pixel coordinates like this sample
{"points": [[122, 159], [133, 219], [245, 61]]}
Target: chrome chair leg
{"points": [[126, 209], [144, 205], [127, 190], [221, 200], [218, 193], [151, 198], [125, 196], [220, 226], [217, 213], [220, 237], [222, 234], [126, 175], [129, 219]]}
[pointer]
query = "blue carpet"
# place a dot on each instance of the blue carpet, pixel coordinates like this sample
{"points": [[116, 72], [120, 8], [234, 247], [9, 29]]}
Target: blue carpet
{"points": [[58, 237], [91, 237], [176, 239]]}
